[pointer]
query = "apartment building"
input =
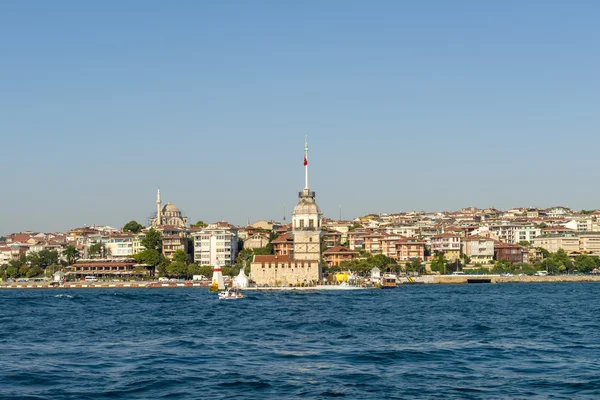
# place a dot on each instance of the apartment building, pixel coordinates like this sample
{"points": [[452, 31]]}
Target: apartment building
{"points": [[479, 249], [215, 244], [447, 243], [567, 242], [514, 233]]}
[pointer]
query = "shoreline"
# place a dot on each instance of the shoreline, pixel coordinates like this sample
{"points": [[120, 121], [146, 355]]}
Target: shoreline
{"points": [[425, 279]]}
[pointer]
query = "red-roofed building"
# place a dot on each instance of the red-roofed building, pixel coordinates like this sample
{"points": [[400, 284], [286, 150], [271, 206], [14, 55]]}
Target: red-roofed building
{"points": [[338, 254], [509, 252], [283, 245]]}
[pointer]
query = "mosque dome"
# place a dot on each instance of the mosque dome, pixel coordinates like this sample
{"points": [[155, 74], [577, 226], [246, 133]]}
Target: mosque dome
{"points": [[170, 208]]}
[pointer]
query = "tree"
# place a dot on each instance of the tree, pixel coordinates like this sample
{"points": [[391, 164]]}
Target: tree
{"points": [[584, 263], [561, 258], [415, 266], [199, 224], [71, 254], [545, 253], [100, 250], [181, 256], [439, 263], [524, 243], [244, 257], [42, 259], [543, 225], [149, 257], [152, 240], [34, 271], [133, 226], [178, 269]]}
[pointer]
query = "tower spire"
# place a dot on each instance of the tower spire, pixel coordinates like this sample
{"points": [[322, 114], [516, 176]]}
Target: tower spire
{"points": [[306, 163]]}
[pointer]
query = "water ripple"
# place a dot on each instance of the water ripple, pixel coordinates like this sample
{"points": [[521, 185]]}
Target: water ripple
{"points": [[427, 341]]}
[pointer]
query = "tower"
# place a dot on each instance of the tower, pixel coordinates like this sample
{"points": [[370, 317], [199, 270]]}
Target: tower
{"points": [[306, 221], [158, 210]]}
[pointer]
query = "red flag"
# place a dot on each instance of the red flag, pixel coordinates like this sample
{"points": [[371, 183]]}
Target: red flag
{"points": [[305, 160]]}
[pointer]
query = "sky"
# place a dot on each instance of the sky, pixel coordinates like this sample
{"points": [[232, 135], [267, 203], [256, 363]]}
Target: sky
{"points": [[408, 105]]}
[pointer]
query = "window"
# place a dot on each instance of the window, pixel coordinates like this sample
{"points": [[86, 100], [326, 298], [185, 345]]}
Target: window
{"points": [[311, 223], [301, 224]]}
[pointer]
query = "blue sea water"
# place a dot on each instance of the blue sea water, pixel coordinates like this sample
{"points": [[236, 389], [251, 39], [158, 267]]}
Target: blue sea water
{"points": [[522, 341]]}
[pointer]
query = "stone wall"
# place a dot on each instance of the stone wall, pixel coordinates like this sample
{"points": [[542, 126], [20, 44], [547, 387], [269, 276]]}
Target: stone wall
{"points": [[284, 274]]}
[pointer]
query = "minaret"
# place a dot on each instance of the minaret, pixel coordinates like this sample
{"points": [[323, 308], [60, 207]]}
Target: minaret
{"points": [[158, 202]]}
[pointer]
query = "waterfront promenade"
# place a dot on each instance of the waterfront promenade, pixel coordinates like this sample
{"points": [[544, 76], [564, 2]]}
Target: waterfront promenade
{"points": [[424, 279]]}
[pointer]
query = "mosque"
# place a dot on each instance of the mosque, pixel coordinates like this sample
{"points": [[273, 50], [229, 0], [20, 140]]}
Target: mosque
{"points": [[172, 225], [169, 214], [304, 265]]}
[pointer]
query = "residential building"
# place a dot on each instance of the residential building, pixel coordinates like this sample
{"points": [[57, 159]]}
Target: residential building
{"points": [[410, 249], [512, 253], [332, 238], [120, 245], [283, 245], [173, 238], [479, 249], [257, 240], [514, 233], [567, 242], [216, 244], [337, 255], [448, 244], [590, 243]]}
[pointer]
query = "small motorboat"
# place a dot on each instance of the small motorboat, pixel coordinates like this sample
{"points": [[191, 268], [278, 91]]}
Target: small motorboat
{"points": [[231, 294]]}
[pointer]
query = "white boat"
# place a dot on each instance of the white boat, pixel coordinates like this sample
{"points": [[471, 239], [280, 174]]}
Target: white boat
{"points": [[231, 294]]}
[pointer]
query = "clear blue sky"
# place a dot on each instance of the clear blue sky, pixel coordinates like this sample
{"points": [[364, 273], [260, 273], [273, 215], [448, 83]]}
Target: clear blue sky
{"points": [[422, 105]]}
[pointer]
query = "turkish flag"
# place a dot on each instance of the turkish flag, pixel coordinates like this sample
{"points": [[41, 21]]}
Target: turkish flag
{"points": [[305, 161]]}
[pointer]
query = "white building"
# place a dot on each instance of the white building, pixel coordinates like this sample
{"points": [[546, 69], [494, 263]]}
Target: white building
{"points": [[479, 249], [120, 245], [215, 244], [515, 233]]}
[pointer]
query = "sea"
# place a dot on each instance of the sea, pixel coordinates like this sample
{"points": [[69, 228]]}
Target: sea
{"points": [[474, 341]]}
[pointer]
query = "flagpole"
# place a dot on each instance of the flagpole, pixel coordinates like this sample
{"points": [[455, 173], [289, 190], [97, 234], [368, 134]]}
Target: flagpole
{"points": [[306, 163]]}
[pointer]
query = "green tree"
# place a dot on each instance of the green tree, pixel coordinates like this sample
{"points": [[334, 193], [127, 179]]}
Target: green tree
{"points": [[71, 254], [550, 265], [244, 258], [181, 256], [42, 259], [524, 243], [561, 258], [543, 225], [199, 224], [415, 266], [261, 251], [133, 226], [34, 271], [152, 240], [178, 269], [149, 257], [584, 263], [545, 253], [439, 263]]}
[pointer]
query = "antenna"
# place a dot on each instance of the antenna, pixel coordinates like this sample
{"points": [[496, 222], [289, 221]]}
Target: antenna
{"points": [[340, 212], [284, 213]]}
